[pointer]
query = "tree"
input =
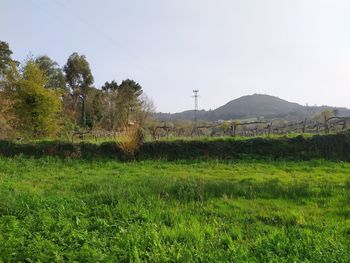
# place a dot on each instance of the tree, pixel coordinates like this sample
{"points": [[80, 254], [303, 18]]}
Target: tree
{"points": [[5, 58], [54, 74], [95, 107], [8, 74], [79, 79], [145, 110], [323, 117], [6, 117], [128, 99], [123, 103], [110, 86], [8, 66], [35, 107], [110, 91]]}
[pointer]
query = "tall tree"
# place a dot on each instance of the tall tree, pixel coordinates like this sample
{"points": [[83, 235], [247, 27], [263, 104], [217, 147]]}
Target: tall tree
{"points": [[35, 107], [95, 107], [123, 103], [79, 79], [110, 91], [54, 74], [8, 74], [129, 93], [5, 58], [110, 86]]}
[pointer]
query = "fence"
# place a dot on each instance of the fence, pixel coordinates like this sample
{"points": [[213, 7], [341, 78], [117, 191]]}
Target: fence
{"points": [[228, 128], [256, 128]]}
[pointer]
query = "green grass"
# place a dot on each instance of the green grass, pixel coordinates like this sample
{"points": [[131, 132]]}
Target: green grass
{"points": [[54, 210], [236, 138], [91, 139]]}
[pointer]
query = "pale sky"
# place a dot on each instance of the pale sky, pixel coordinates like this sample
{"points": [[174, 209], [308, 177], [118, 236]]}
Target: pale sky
{"points": [[298, 50]]}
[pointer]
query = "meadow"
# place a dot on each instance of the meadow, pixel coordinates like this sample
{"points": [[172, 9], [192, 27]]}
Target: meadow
{"points": [[102, 210]]}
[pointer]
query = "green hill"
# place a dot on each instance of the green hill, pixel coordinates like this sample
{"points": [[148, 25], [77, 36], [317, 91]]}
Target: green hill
{"points": [[253, 106]]}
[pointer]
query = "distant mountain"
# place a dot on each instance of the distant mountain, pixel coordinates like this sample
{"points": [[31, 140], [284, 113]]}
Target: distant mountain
{"points": [[253, 106], [256, 105]]}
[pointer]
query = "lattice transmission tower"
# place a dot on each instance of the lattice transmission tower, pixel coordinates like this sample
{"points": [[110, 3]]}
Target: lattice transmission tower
{"points": [[195, 96]]}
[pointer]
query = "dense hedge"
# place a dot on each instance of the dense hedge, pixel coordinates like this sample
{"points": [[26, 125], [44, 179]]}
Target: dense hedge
{"points": [[334, 146]]}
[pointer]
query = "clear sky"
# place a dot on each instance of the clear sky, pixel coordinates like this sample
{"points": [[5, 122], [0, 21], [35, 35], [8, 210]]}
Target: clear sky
{"points": [[298, 50]]}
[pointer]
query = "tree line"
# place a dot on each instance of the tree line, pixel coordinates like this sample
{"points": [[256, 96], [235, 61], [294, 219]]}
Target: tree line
{"points": [[40, 99]]}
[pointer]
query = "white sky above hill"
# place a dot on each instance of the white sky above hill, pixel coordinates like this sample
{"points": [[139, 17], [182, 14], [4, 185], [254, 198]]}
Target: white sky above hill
{"points": [[298, 50]]}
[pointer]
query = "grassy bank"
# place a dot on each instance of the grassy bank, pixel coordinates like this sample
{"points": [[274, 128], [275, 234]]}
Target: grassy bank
{"points": [[244, 211]]}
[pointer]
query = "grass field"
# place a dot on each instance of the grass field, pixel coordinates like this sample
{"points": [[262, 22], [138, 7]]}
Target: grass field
{"points": [[148, 138], [54, 210]]}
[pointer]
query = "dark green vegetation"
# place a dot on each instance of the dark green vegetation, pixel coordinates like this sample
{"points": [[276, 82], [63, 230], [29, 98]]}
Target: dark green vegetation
{"points": [[244, 211], [333, 146]]}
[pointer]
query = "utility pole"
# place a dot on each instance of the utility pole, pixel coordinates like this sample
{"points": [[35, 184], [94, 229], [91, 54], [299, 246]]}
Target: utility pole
{"points": [[195, 105], [195, 96]]}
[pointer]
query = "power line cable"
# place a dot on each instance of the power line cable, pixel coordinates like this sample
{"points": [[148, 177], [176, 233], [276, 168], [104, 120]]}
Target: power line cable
{"points": [[106, 36]]}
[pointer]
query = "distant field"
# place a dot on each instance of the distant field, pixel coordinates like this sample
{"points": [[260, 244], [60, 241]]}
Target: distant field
{"points": [[148, 138], [238, 137], [157, 211]]}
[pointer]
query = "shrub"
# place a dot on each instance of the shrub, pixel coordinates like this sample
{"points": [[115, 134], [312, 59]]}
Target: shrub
{"points": [[130, 141]]}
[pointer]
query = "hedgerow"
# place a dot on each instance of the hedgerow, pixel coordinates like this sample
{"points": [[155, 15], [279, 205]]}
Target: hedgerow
{"points": [[333, 146]]}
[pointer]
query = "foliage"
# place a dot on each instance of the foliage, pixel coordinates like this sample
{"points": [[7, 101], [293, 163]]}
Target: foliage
{"points": [[333, 146], [6, 116], [127, 100], [8, 74], [6, 60], [35, 107], [125, 104], [79, 79], [114, 108], [95, 107], [54, 74], [110, 90], [54, 210], [130, 141]]}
